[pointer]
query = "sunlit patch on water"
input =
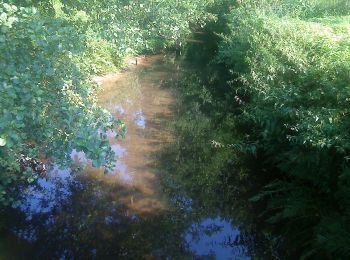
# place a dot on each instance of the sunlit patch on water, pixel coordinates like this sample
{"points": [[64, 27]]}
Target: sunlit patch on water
{"points": [[215, 238]]}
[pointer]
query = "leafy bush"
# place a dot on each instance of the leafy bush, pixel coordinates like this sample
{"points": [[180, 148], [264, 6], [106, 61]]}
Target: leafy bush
{"points": [[98, 57], [296, 74], [281, 70], [47, 105], [298, 8], [141, 26], [48, 50]]}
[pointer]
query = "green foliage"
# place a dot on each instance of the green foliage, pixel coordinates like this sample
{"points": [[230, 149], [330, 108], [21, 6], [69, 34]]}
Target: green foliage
{"points": [[198, 160], [204, 162], [297, 75], [140, 26], [282, 73], [97, 58], [47, 105], [297, 8], [49, 50]]}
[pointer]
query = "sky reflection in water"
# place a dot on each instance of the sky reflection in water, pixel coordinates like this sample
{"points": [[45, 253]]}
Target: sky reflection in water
{"points": [[213, 237], [48, 193], [139, 119]]}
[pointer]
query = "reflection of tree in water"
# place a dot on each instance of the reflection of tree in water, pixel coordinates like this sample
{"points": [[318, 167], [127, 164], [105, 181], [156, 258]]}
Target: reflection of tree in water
{"points": [[94, 224], [208, 176]]}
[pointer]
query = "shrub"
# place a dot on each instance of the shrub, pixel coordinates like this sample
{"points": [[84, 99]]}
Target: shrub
{"points": [[47, 105], [295, 69]]}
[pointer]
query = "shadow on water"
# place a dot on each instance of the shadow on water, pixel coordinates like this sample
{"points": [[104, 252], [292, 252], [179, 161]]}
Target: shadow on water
{"points": [[137, 211]]}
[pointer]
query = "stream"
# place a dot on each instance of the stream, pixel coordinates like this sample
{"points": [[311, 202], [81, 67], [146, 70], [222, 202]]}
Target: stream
{"points": [[82, 213]]}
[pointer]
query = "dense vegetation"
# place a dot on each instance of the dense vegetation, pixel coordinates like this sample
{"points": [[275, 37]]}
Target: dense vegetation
{"points": [[48, 51], [264, 107], [275, 92]]}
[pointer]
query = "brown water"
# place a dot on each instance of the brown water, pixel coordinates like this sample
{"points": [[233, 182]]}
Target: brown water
{"points": [[137, 98], [126, 213]]}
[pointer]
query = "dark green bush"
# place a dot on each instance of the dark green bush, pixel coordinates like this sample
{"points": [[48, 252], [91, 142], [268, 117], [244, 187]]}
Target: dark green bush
{"points": [[295, 69], [281, 70]]}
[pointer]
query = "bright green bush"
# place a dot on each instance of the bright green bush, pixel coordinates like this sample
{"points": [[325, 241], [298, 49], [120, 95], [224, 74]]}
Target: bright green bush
{"points": [[298, 8], [98, 57], [47, 105], [138, 26]]}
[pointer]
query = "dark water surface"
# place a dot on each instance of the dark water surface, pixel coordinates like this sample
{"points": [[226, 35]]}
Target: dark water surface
{"points": [[126, 214]]}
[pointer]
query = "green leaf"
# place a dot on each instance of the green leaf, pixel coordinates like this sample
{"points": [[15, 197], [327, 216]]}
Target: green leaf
{"points": [[2, 141]]}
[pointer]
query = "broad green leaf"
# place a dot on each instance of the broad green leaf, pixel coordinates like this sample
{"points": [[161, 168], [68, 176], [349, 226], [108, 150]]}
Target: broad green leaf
{"points": [[2, 141]]}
